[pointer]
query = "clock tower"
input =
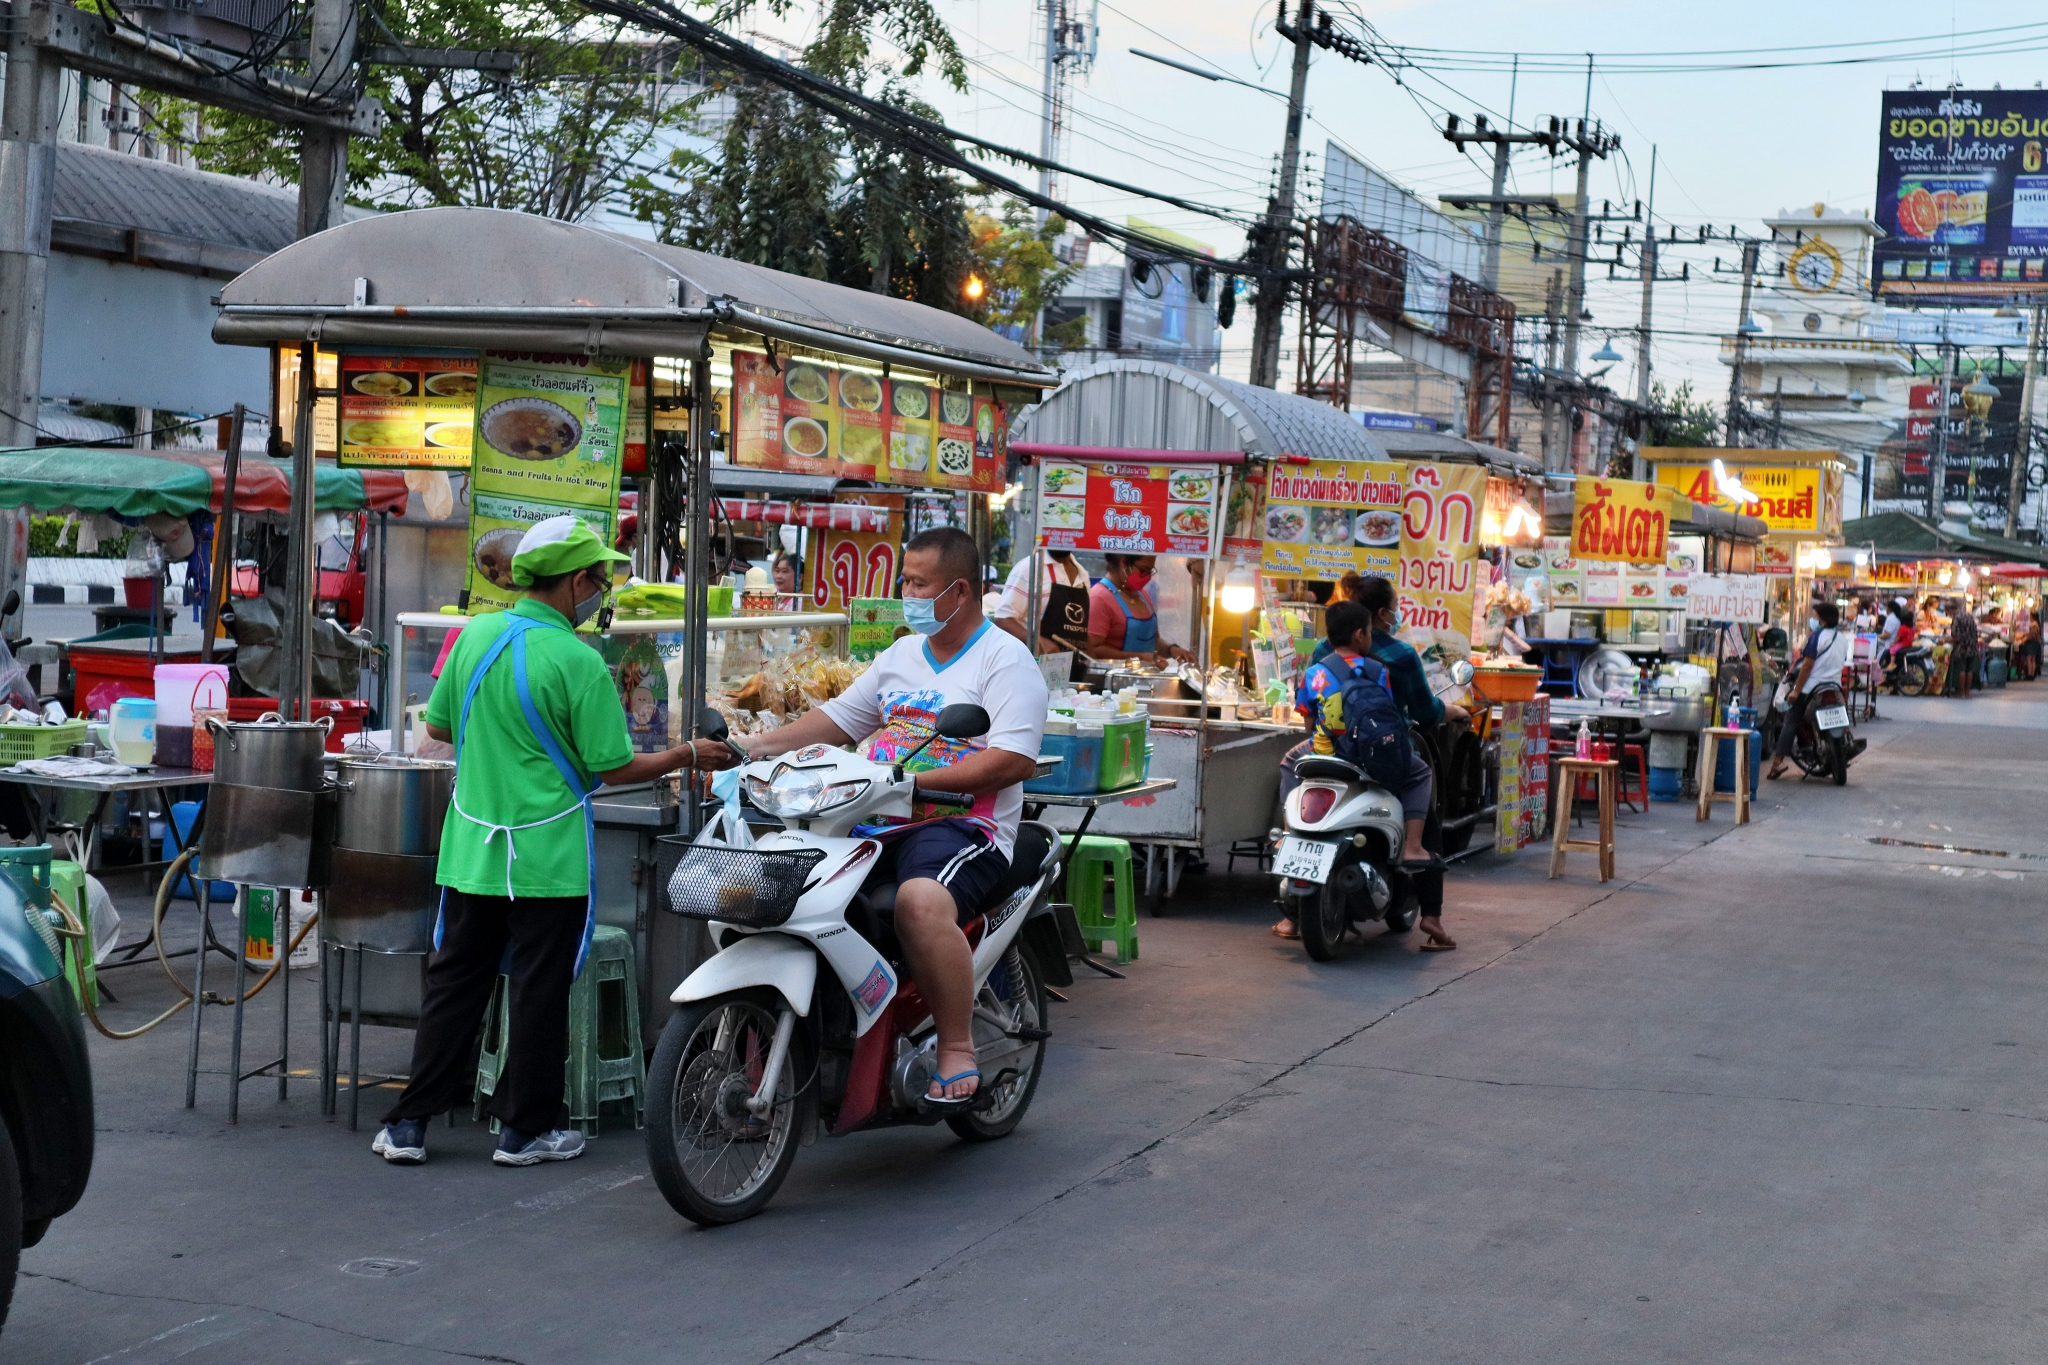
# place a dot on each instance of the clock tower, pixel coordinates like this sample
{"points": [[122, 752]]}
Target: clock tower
{"points": [[1843, 383]]}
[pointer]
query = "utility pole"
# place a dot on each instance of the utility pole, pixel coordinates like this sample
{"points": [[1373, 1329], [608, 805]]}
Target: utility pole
{"points": [[28, 173], [1271, 304], [1596, 143], [1503, 144], [1649, 283], [1937, 467], [2023, 439], [1735, 423], [1553, 301], [323, 151], [1049, 114]]}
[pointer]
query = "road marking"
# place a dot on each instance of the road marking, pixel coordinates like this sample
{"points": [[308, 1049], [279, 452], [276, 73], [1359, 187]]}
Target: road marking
{"points": [[577, 1192]]}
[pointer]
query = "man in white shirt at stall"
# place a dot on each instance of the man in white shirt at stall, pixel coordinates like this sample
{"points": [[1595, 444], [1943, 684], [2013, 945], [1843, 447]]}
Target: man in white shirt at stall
{"points": [[1062, 602], [945, 864]]}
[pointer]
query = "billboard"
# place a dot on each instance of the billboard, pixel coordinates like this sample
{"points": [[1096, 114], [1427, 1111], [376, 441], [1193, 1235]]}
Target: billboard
{"points": [[1962, 191]]}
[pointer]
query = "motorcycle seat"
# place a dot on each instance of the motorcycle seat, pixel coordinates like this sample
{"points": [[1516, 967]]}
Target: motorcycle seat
{"points": [[873, 913], [1328, 768]]}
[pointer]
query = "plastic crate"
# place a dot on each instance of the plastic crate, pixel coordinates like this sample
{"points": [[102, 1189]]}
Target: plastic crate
{"points": [[18, 742]]}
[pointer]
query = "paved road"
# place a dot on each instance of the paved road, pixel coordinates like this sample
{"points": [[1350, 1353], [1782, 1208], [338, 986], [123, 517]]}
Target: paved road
{"points": [[1773, 1095]]}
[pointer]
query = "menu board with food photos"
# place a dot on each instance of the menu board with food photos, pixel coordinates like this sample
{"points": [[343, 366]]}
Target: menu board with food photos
{"points": [[496, 525], [550, 428], [911, 428], [787, 416], [1131, 508], [965, 454], [407, 411], [1327, 519]]}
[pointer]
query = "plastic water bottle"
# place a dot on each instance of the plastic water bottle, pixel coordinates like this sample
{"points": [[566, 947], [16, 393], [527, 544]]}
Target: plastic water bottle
{"points": [[1583, 746]]}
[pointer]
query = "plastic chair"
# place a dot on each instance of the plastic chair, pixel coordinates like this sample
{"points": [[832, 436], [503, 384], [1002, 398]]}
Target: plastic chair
{"points": [[605, 1061], [1101, 859], [1639, 755]]}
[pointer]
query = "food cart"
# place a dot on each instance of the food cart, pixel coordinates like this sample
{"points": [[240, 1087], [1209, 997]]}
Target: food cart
{"points": [[546, 361], [1244, 610]]}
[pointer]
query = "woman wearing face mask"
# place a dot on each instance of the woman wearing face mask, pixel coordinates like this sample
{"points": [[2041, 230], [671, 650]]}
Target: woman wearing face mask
{"points": [[1123, 613]]}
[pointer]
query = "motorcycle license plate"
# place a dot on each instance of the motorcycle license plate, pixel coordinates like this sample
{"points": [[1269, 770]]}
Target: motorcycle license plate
{"points": [[1305, 860], [1832, 718]]}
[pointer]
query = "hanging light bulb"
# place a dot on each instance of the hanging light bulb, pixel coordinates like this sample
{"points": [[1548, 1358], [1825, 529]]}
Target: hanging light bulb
{"points": [[1240, 589]]}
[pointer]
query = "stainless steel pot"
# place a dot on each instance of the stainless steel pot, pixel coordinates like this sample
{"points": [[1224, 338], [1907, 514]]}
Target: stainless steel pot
{"points": [[380, 901], [1165, 694], [392, 805], [269, 752], [1688, 712], [267, 836]]}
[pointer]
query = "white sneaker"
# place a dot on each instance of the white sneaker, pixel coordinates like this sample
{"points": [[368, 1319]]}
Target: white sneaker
{"points": [[516, 1149], [403, 1143]]}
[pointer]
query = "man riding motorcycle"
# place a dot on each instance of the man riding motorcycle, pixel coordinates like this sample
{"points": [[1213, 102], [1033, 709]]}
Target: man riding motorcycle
{"points": [[1821, 660], [945, 865]]}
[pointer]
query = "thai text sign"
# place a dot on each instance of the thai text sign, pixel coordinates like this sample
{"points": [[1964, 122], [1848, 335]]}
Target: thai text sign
{"points": [[407, 411], [1330, 518], [1737, 598], [1620, 521], [1135, 509], [551, 428], [1962, 194], [1790, 497], [1440, 511]]}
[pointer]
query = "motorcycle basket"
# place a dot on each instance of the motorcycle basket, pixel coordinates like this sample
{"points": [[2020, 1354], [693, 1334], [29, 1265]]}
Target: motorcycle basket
{"points": [[748, 887]]}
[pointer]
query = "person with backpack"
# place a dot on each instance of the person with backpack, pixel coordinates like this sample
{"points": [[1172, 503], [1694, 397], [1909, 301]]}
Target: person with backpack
{"points": [[1349, 703]]}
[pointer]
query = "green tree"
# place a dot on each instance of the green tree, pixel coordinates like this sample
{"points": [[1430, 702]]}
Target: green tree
{"points": [[1681, 418], [1020, 275]]}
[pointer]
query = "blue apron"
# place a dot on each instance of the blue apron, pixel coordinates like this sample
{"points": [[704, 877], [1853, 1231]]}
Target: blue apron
{"points": [[515, 637], [1140, 636]]}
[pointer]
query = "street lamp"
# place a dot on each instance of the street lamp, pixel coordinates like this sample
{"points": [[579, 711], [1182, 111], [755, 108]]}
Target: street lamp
{"points": [[1607, 355], [1978, 398]]}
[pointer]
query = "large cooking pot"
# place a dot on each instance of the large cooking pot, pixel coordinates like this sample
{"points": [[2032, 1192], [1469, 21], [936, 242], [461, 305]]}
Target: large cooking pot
{"points": [[269, 752], [1687, 712], [392, 805]]}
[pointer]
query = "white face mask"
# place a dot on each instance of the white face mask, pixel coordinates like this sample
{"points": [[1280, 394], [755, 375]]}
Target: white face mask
{"points": [[1813, 623]]}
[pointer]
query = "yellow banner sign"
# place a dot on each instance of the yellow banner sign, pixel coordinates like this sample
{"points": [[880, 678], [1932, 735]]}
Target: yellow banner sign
{"points": [[1620, 521], [1792, 498]]}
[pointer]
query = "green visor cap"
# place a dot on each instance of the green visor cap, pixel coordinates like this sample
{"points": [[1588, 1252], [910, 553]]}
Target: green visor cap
{"points": [[559, 545]]}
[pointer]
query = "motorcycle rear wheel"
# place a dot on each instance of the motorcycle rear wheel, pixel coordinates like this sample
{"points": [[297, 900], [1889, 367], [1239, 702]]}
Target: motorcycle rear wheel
{"points": [[1016, 1081], [1324, 918], [1838, 759], [714, 1162], [1913, 679]]}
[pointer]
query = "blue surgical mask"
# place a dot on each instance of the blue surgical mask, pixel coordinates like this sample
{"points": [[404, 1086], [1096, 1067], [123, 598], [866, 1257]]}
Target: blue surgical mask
{"points": [[921, 614]]}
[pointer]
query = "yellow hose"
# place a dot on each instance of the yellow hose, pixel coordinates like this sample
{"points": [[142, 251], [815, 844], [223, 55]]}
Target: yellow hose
{"points": [[74, 932]]}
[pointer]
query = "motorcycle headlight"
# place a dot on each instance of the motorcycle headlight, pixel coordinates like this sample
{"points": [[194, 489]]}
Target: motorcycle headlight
{"points": [[794, 793]]}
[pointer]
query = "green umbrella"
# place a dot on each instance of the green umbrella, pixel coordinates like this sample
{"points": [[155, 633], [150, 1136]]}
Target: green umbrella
{"points": [[119, 482]]}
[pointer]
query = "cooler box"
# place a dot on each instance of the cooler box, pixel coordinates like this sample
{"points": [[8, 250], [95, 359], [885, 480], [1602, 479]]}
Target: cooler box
{"points": [[1079, 749], [348, 712], [1123, 753]]}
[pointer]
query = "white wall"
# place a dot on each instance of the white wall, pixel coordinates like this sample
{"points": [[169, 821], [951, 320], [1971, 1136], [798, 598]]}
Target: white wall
{"points": [[135, 336]]}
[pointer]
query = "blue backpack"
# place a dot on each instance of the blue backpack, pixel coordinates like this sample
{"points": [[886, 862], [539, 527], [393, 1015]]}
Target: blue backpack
{"points": [[1375, 738]]}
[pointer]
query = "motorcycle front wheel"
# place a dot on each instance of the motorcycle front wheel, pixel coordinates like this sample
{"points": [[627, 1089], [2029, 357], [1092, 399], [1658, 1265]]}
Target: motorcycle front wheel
{"points": [[714, 1160], [1020, 989], [1913, 679]]}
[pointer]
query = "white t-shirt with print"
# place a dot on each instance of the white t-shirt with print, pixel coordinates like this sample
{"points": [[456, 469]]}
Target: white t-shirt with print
{"points": [[892, 707]]}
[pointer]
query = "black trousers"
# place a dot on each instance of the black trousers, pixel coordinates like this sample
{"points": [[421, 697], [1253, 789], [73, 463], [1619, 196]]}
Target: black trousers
{"points": [[543, 933]]}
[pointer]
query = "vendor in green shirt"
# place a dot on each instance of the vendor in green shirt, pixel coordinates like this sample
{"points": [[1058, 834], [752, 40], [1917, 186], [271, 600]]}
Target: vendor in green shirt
{"points": [[537, 726]]}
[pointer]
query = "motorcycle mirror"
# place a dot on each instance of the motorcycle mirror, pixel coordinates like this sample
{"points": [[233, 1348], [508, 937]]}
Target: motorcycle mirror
{"points": [[1461, 672], [12, 604], [962, 720], [711, 725]]}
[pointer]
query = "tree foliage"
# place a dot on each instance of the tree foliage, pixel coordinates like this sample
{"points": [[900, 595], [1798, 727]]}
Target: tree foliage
{"points": [[1021, 275], [1681, 418]]}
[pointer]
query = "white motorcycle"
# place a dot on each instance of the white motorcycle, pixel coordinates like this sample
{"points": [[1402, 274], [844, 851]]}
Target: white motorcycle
{"points": [[764, 1049], [1338, 854]]}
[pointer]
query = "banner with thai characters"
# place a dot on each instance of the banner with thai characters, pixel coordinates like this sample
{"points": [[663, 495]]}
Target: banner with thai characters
{"points": [[861, 562], [1440, 514], [1620, 521], [1137, 509], [1962, 196], [551, 428], [1803, 499], [496, 526], [1329, 518]]}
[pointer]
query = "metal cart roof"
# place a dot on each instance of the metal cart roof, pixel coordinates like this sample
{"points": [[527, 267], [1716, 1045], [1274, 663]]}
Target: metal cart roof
{"points": [[489, 278]]}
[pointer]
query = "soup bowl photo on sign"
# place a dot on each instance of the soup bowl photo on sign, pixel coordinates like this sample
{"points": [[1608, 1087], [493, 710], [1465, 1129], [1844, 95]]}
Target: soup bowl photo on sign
{"points": [[494, 551], [1189, 521], [955, 456], [1379, 529], [453, 384], [381, 384], [956, 409], [1286, 524], [912, 401], [531, 429], [1332, 526], [382, 435], [859, 392], [1186, 487], [807, 384], [805, 437], [451, 435]]}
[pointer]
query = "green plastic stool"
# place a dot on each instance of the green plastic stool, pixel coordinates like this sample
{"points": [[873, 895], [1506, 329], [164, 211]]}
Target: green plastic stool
{"points": [[1098, 859], [605, 1059]]}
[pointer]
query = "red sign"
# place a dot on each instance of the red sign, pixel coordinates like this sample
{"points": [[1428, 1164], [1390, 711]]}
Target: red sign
{"points": [[1129, 508]]}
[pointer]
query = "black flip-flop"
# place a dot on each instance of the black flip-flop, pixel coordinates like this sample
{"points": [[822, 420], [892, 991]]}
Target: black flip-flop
{"points": [[1430, 864]]}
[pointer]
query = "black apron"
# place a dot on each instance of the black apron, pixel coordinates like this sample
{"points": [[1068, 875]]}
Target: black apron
{"points": [[1066, 613]]}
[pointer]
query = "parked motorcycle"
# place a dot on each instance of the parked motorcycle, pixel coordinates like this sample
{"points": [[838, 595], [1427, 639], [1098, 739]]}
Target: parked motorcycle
{"points": [[764, 1049], [1825, 743], [1339, 852]]}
